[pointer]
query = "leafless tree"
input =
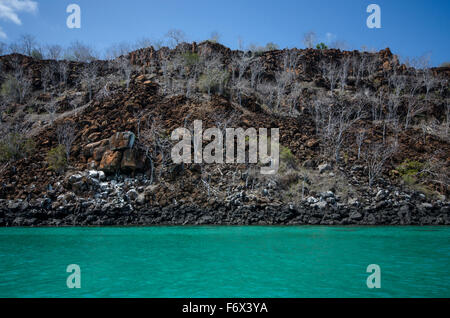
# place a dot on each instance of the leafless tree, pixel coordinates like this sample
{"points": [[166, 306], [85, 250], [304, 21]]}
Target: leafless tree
{"points": [[294, 97], [27, 43], [397, 82], [436, 172], [256, 69], [414, 83], [290, 60], [52, 108], [166, 68], [359, 68], [213, 79], [392, 118], [268, 93], [176, 36], [54, 52], [118, 50], [360, 137], [429, 80], [47, 76], [414, 107], [89, 78], [155, 145], [309, 39], [126, 69], [372, 66], [333, 119], [240, 64], [283, 78], [377, 102], [17, 85], [63, 70], [343, 72], [66, 136], [330, 71], [143, 43], [376, 157], [80, 52], [214, 76]]}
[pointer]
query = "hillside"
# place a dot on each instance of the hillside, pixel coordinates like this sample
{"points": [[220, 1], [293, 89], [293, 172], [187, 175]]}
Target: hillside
{"points": [[364, 139]]}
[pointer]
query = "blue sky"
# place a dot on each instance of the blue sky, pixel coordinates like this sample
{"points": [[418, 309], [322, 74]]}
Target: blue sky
{"points": [[410, 28]]}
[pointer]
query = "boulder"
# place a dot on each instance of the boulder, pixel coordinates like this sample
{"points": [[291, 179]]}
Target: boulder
{"points": [[98, 152], [312, 200], [122, 140], [111, 162], [132, 195], [88, 150], [93, 174], [131, 161], [75, 178], [101, 175]]}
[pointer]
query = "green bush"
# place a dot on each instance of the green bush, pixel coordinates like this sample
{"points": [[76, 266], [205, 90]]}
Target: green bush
{"points": [[191, 59], [36, 54], [410, 167], [56, 159], [321, 46], [213, 80], [409, 170], [287, 157], [15, 146]]}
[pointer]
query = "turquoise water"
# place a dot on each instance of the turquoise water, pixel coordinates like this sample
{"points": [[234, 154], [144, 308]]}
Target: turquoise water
{"points": [[225, 261]]}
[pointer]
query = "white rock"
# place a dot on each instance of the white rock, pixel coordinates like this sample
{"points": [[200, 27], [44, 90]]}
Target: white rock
{"points": [[104, 186], [101, 175], [93, 174], [75, 178], [312, 200]]}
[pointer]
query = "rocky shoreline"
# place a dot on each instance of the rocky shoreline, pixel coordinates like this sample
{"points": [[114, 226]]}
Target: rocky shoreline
{"points": [[16, 215], [128, 202]]}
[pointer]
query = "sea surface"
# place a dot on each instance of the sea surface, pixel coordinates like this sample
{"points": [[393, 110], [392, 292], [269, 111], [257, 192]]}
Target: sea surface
{"points": [[225, 261]]}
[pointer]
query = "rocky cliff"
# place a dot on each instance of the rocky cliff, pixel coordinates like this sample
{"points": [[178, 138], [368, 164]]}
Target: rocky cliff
{"points": [[363, 138]]}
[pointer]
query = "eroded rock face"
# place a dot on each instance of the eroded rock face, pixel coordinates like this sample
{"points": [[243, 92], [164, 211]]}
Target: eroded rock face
{"points": [[98, 152], [111, 161], [122, 140], [115, 154]]}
